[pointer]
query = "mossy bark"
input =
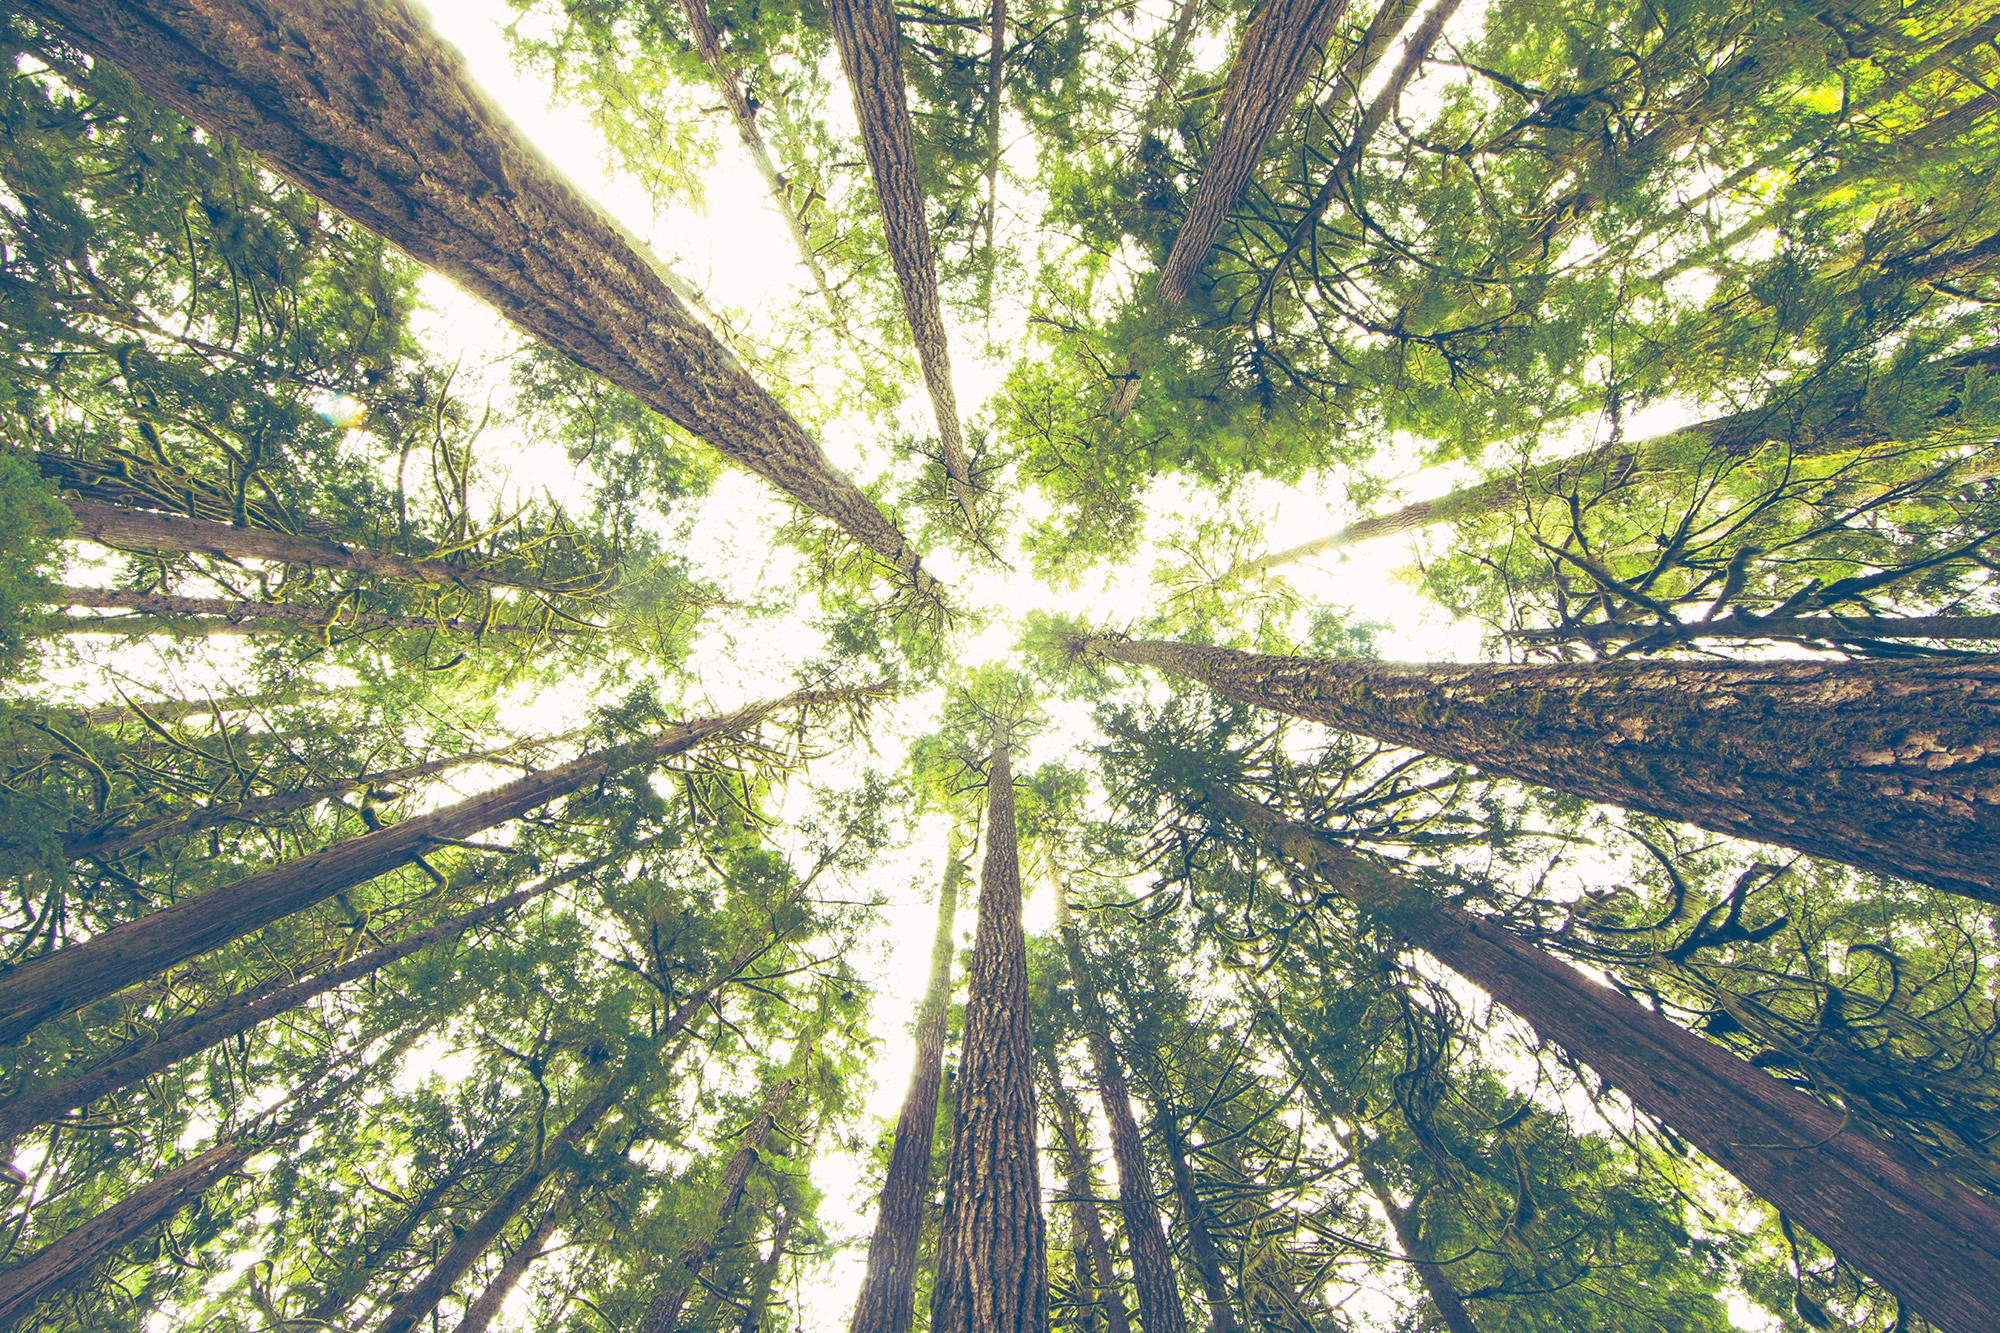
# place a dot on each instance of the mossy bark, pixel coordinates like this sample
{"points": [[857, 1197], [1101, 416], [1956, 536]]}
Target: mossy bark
{"points": [[1892, 767]]}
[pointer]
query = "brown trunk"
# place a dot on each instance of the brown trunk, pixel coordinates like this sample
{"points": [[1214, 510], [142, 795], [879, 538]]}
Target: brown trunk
{"points": [[346, 1283], [1160, 1309], [759, 1304], [240, 1013], [992, 1273], [286, 615], [1100, 1281], [362, 106], [1929, 1240], [865, 31], [1202, 1251], [1334, 1109], [885, 1304], [71, 978], [480, 1315], [1834, 628], [1889, 766]]}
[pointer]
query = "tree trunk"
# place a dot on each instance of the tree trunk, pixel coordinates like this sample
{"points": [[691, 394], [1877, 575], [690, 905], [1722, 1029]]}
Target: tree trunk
{"points": [[362, 106], [759, 1304], [1202, 1250], [992, 1273], [284, 615], [479, 1316], [1108, 1293], [180, 710], [1893, 767], [71, 978], [866, 33], [1160, 1309], [1830, 628], [239, 1013], [348, 1282], [1929, 1240], [1332, 1110], [885, 1304]]}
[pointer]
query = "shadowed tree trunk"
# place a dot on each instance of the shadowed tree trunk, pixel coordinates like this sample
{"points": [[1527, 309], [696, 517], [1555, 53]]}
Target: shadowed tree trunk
{"points": [[1832, 628], [1889, 766], [886, 1304], [1929, 1240], [71, 978], [865, 31], [277, 617], [362, 106], [479, 1315], [1160, 1309], [992, 1274], [1100, 1280], [758, 1306], [1202, 1252]]}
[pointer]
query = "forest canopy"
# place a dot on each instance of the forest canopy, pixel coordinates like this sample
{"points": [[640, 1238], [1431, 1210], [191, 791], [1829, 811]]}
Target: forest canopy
{"points": [[1256, 666]]}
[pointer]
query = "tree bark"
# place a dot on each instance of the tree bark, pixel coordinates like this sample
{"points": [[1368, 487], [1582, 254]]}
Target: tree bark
{"points": [[759, 1304], [866, 33], [1929, 1240], [1202, 1250], [362, 106], [992, 1274], [886, 1303], [1160, 1308], [479, 1316], [284, 615], [179, 710], [1892, 767], [239, 1013], [1102, 1276], [1829, 628], [79, 975]]}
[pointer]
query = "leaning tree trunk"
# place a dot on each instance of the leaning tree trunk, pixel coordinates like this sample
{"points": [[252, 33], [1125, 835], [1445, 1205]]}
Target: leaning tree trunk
{"points": [[865, 31], [1820, 629], [1108, 1295], [479, 1315], [359, 104], [758, 1306], [992, 1268], [239, 1013], [1889, 766], [1203, 1252], [885, 1304], [180, 710], [1929, 1240], [1160, 1309], [71, 978], [282, 616]]}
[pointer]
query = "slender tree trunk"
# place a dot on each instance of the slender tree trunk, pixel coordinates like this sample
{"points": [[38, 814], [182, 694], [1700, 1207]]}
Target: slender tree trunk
{"points": [[1101, 1279], [347, 1283], [180, 710], [1333, 1109], [1160, 1309], [239, 1013], [362, 106], [282, 616], [1206, 1258], [992, 1274], [79, 975], [1929, 1240], [1889, 766], [885, 1304], [479, 1316], [757, 1308], [1830, 628], [866, 33]]}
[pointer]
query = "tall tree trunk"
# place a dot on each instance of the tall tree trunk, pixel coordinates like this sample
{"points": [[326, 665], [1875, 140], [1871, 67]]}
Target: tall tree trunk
{"points": [[992, 1273], [1160, 1309], [1203, 1253], [362, 106], [1829, 628], [71, 978], [1101, 1278], [1333, 1110], [1929, 1240], [757, 1308], [1889, 766], [284, 615], [239, 1013], [479, 1315], [886, 1304], [866, 33], [180, 710]]}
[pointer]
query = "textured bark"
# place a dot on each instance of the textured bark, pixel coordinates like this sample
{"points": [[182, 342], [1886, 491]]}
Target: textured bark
{"points": [[663, 1312], [886, 1303], [992, 1274], [866, 33], [71, 978], [1203, 1253], [362, 106], [1929, 1240], [1889, 766], [1159, 1297], [281, 616], [1100, 1279], [479, 1315], [239, 1013], [1823, 628], [146, 530], [1333, 1109]]}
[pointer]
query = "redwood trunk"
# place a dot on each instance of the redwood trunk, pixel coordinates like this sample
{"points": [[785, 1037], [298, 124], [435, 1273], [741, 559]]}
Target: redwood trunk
{"points": [[1202, 1251], [1889, 766], [866, 33], [281, 615], [885, 1304], [1101, 1280], [992, 1274], [71, 978], [1929, 1240], [362, 106]]}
